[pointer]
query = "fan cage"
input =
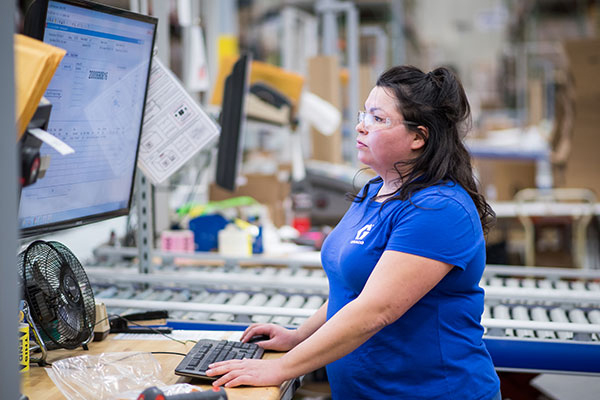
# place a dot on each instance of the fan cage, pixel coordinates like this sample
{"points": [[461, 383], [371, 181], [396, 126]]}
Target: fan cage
{"points": [[59, 294]]}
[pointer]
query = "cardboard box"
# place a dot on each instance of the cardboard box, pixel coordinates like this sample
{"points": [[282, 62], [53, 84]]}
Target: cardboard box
{"points": [[584, 63], [536, 102], [266, 189], [583, 164], [500, 180], [324, 81]]}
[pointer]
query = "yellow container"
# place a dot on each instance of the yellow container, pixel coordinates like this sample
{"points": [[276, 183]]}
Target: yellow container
{"points": [[23, 347]]}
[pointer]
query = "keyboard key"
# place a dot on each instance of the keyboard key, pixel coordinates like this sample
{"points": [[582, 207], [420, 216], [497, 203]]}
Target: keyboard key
{"points": [[206, 352]]}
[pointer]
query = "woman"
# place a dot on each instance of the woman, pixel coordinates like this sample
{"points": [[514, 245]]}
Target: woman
{"points": [[404, 264]]}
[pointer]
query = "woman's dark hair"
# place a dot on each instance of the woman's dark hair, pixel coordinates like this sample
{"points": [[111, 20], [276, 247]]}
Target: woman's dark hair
{"points": [[437, 101]]}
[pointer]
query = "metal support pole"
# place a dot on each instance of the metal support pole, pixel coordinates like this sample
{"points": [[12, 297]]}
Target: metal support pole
{"points": [[160, 9], [299, 39], [288, 23], [211, 32], [352, 34], [139, 6], [329, 10], [145, 234], [228, 17], [381, 46], [329, 42], [219, 18], [397, 28], [522, 90], [9, 379]]}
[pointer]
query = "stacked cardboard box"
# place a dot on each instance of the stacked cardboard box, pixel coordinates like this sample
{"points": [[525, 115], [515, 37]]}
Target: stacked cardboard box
{"points": [[501, 179], [324, 81], [583, 164], [266, 189]]}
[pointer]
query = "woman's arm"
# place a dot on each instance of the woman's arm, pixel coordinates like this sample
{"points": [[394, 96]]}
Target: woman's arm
{"points": [[312, 324], [397, 282], [282, 339]]}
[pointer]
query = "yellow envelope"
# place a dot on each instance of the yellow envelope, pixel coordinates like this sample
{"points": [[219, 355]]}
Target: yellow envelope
{"points": [[35, 64]]}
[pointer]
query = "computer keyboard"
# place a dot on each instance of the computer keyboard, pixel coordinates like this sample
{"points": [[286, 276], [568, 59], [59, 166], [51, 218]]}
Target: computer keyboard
{"points": [[208, 351]]}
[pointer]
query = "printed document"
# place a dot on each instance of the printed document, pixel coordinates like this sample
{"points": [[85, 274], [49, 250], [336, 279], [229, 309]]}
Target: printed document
{"points": [[175, 127]]}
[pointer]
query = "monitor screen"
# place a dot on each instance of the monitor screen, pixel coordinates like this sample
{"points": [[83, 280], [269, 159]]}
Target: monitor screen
{"points": [[232, 118], [98, 95]]}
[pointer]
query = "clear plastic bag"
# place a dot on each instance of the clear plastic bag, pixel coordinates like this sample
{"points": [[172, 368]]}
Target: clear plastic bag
{"points": [[110, 376]]}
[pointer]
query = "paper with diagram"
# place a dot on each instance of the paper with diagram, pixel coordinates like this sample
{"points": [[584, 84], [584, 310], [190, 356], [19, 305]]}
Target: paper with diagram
{"points": [[175, 127]]}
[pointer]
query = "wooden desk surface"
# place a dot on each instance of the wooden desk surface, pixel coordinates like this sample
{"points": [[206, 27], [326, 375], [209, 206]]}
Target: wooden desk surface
{"points": [[37, 385]]}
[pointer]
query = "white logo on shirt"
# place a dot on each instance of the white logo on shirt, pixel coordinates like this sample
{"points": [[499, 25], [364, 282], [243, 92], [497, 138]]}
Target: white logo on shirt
{"points": [[361, 234]]}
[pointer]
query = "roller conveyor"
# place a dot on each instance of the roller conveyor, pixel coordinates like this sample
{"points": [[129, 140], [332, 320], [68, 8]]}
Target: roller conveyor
{"points": [[535, 319], [542, 319]]}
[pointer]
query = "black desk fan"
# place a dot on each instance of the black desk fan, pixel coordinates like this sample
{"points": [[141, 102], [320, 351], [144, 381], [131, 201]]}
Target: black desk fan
{"points": [[59, 296]]}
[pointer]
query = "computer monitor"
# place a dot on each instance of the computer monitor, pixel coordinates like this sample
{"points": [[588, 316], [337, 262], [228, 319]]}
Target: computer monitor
{"points": [[98, 94], [232, 120]]}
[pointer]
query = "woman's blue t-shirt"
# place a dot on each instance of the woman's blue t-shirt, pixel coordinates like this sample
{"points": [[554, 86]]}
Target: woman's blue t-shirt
{"points": [[435, 350]]}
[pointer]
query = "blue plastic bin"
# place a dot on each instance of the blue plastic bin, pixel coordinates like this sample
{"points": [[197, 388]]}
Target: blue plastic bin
{"points": [[206, 230]]}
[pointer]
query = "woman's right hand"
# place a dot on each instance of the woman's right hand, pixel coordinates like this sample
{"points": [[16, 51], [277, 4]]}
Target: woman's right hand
{"points": [[280, 338]]}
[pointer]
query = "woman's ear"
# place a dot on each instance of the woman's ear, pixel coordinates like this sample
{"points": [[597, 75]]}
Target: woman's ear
{"points": [[420, 137]]}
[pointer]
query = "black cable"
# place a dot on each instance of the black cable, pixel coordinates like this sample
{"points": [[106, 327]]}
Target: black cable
{"points": [[168, 352], [26, 6], [147, 327]]}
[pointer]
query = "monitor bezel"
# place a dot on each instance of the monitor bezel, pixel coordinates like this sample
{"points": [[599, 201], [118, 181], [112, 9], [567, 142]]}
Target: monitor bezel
{"points": [[89, 219], [229, 152]]}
